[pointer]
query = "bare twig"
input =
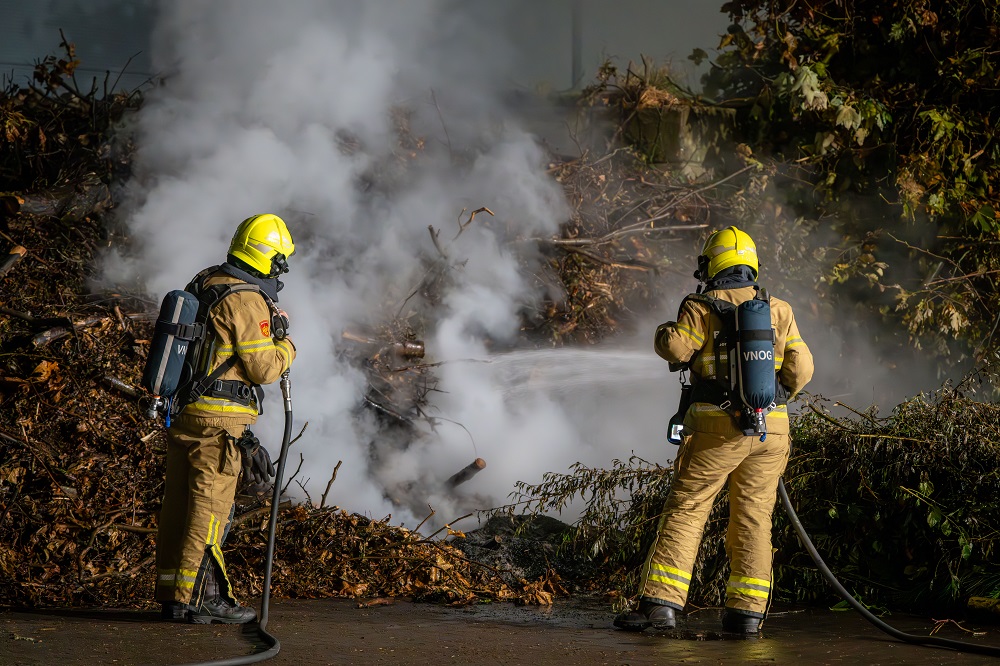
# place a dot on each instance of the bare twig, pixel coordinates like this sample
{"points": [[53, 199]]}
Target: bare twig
{"points": [[333, 477], [472, 216], [447, 526], [294, 474], [116, 383], [437, 244], [260, 511], [301, 432], [444, 127], [417, 528], [135, 528]]}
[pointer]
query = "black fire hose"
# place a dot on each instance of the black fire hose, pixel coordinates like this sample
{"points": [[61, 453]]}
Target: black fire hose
{"points": [[260, 627], [961, 646]]}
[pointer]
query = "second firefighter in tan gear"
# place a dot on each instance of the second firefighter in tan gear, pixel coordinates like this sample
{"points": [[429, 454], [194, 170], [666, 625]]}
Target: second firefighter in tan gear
{"points": [[203, 458], [716, 450]]}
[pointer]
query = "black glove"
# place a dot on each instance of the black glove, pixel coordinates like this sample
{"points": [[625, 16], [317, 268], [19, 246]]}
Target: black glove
{"points": [[257, 467], [279, 325]]}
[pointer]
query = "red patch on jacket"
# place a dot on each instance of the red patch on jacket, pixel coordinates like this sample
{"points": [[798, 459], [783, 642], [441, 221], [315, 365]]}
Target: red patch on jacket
{"points": [[265, 328]]}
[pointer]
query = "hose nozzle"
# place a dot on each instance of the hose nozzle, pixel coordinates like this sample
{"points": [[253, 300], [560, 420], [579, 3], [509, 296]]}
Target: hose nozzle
{"points": [[286, 390]]}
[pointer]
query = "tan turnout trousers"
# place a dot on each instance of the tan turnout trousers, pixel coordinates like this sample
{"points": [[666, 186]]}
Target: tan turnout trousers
{"points": [[704, 462], [203, 465]]}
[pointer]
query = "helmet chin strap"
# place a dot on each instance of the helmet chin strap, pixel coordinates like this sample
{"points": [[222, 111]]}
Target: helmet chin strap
{"points": [[702, 271]]}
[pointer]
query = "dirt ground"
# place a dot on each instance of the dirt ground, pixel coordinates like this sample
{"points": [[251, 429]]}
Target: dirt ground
{"points": [[336, 631]]}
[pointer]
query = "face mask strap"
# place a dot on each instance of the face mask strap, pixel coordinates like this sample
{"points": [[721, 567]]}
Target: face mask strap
{"points": [[702, 272], [279, 265]]}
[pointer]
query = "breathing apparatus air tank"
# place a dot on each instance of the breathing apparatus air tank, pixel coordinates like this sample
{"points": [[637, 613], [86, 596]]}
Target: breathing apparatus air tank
{"points": [[754, 363], [176, 328]]}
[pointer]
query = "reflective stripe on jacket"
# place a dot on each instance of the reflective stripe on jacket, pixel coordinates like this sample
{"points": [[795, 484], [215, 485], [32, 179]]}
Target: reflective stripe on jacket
{"points": [[692, 339], [242, 323]]}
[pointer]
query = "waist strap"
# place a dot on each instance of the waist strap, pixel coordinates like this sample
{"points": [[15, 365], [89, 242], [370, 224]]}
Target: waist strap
{"points": [[714, 393], [234, 390]]}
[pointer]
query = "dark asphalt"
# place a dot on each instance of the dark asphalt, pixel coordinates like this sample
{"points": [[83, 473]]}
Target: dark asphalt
{"points": [[337, 631]]}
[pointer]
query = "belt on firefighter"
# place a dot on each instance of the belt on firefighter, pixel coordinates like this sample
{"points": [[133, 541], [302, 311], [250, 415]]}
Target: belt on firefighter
{"points": [[712, 392], [234, 390]]}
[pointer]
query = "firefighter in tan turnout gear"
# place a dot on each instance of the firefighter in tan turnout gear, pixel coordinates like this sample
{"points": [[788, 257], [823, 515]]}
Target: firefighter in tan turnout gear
{"points": [[715, 446], [209, 442]]}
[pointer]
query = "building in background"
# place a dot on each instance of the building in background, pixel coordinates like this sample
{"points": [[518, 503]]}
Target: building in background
{"points": [[111, 37], [560, 43]]}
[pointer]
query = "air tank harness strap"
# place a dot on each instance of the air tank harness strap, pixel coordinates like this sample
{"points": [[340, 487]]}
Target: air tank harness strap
{"points": [[227, 389], [186, 332]]}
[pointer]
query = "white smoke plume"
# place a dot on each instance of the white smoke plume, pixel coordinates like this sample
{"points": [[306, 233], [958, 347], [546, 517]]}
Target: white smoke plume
{"points": [[251, 116]]}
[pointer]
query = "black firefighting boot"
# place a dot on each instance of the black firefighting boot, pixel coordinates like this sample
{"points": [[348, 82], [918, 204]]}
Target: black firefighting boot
{"points": [[174, 611], [647, 615], [217, 608], [737, 622]]}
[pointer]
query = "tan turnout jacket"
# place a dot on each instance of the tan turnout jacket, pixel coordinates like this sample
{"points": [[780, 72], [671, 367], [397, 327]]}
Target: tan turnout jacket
{"points": [[692, 337], [242, 322]]}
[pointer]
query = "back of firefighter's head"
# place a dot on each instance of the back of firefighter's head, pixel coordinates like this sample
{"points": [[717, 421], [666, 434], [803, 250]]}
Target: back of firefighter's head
{"points": [[262, 245], [725, 248]]}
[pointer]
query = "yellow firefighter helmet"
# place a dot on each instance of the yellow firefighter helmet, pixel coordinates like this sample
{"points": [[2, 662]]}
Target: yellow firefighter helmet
{"points": [[264, 243], [725, 248]]}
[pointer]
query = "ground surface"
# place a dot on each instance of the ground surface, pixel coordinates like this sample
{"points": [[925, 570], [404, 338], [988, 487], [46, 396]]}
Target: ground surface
{"points": [[339, 632]]}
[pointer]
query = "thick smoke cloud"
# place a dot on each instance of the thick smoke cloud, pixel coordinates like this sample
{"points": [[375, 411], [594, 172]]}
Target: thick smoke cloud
{"points": [[257, 103]]}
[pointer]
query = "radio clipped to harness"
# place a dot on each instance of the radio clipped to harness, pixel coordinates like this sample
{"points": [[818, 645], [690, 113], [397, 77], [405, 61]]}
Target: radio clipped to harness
{"points": [[675, 428]]}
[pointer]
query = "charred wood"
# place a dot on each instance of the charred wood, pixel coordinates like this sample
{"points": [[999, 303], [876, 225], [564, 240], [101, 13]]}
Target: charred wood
{"points": [[466, 473], [16, 254]]}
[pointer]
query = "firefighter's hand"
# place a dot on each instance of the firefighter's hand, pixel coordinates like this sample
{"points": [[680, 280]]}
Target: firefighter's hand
{"points": [[279, 325], [257, 467]]}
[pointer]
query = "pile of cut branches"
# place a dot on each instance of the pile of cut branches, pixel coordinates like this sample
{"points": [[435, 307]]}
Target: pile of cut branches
{"points": [[903, 506]]}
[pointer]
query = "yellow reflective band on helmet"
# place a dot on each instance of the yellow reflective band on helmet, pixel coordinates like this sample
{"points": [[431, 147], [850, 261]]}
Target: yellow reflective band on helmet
{"points": [[793, 342], [751, 587], [670, 576], [691, 333]]}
